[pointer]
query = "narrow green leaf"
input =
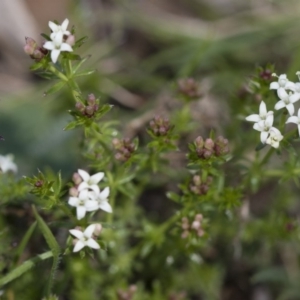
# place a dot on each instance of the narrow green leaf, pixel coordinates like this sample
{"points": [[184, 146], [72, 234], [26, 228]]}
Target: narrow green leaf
{"points": [[85, 73], [55, 88], [26, 266], [71, 125], [53, 245], [24, 241], [83, 60]]}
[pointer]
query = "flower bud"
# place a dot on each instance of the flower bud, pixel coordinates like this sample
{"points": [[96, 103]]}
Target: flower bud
{"points": [[70, 40], [80, 106], [73, 192], [209, 144], [98, 229], [76, 178], [91, 100], [189, 88], [221, 146], [30, 46]]}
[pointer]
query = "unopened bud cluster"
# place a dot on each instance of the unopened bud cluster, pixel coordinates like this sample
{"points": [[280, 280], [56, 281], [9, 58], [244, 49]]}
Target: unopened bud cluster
{"points": [[194, 226], [33, 50], [127, 295], [189, 87], [125, 148], [160, 126], [89, 108], [208, 148], [73, 191], [200, 187]]}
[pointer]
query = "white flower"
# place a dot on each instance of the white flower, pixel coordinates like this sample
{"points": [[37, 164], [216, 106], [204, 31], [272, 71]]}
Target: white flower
{"points": [[264, 127], [85, 238], [295, 120], [287, 100], [263, 114], [83, 203], [282, 84], [274, 138], [59, 28], [7, 164], [102, 201], [56, 46], [90, 182]]}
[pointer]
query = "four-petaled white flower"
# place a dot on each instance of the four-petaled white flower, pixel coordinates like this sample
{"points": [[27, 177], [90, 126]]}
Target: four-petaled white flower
{"points": [[7, 164], [263, 114], [264, 127], [282, 84], [274, 138], [83, 203], [56, 46], [90, 182], [102, 201], [59, 28], [296, 120], [287, 100], [85, 238]]}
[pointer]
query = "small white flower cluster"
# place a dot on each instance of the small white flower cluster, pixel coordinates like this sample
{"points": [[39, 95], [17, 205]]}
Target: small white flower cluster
{"points": [[87, 197], [58, 41], [288, 93], [7, 164]]}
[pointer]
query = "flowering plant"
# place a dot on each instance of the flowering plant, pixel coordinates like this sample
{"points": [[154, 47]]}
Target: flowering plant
{"points": [[150, 201]]}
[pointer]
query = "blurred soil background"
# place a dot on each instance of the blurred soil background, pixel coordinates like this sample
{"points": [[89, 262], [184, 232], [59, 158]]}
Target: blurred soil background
{"points": [[140, 49]]}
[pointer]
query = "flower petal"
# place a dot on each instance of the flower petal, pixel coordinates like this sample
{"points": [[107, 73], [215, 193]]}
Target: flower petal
{"points": [[105, 206], [257, 127], [291, 109], [96, 178], [299, 129], [253, 118], [73, 201], [84, 195], [53, 26], [274, 85], [64, 24], [282, 94], [295, 97], [262, 109], [293, 119], [48, 45], [92, 244], [66, 47], [104, 194], [90, 230], [79, 245], [82, 186], [280, 104], [81, 211], [84, 175], [263, 136], [91, 205], [54, 55], [77, 233]]}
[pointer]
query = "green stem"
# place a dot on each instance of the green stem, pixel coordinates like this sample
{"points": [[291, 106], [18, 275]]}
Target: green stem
{"points": [[60, 75], [267, 157]]}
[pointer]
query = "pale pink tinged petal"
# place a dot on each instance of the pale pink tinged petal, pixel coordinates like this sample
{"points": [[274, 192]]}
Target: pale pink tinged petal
{"points": [[291, 109], [280, 104], [253, 118], [293, 119], [89, 230], [65, 24], [79, 245], [73, 201], [104, 194], [257, 127], [95, 188], [80, 212], [105, 206], [49, 45], [83, 185], [52, 26], [96, 178], [92, 244], [262, 108], [263, 136], [66, 47], [77, 233], [84, 175], [274, 85], [91, 205], [54, 55], [295, 97]]}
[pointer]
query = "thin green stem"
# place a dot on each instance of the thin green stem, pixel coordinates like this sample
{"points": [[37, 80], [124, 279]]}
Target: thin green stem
{"points": [[60, 75]]}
